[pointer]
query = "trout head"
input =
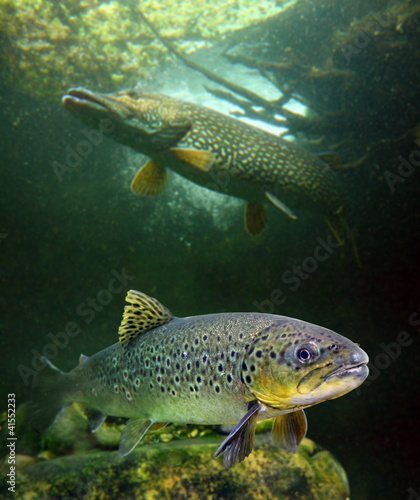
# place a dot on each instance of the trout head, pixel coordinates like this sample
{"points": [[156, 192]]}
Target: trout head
{"points": [[146, 122], [293, 364]]}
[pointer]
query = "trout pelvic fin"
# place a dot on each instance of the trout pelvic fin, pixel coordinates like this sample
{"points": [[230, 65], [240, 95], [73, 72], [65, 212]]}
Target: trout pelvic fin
{"points": [[279, 204], [203, 160], [255, 218], [94, 417], [150, 180], [143, 313], [238, 445], [289, 430]]}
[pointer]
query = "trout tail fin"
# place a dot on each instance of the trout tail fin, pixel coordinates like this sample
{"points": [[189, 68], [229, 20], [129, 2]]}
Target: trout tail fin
{"points": [[49, 396]]}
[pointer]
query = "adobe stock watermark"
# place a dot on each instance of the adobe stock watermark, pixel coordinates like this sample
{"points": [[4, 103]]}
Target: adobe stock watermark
{"points": [[294, 276], [76, 156], [87, 310], [378, 21], [390, 352], [406, 168]]}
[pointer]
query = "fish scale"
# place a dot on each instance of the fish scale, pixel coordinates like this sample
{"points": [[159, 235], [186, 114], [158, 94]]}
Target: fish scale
{"points": [[228, 368]]}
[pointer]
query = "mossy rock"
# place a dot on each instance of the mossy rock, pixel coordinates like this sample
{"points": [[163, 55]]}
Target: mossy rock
{"points": [[185, 469]]}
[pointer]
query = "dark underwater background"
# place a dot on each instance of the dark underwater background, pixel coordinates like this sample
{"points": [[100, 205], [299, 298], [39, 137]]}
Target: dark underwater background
{"points": [[62, 239]]}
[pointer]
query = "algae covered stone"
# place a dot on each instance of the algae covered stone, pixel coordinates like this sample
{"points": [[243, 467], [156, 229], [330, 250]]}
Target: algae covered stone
{"points": [[185, 469]]}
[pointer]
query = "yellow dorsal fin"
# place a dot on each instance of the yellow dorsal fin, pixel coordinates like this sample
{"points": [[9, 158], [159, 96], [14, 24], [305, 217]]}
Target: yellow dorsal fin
{"points": [[150, 180], [143, 313], [203, 160]]}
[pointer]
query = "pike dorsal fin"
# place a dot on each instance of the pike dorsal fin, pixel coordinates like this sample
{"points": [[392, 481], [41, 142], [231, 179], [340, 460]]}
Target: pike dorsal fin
{"points": [[143, 313]]}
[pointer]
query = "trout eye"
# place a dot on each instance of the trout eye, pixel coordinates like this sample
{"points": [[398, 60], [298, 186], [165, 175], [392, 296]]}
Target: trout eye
{"points": [[304, 355]]}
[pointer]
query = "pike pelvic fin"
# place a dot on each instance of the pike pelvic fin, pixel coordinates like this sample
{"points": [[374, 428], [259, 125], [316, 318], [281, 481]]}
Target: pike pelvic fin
{"points": [[150, 180], [238, 445], [289, 430], [203, 160], [143, 313], [279, 204], [255, 218]]}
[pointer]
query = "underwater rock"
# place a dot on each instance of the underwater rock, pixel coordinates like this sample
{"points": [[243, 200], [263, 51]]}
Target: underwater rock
{"points": [[186, 469]]}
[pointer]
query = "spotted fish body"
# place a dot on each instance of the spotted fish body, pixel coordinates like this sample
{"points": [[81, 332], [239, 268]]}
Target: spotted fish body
{"points": [[215, 151], [232, 368]]}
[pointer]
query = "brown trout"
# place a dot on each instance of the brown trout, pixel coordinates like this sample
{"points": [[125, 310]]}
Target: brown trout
{"points": [[217, 152], [230, 368]]}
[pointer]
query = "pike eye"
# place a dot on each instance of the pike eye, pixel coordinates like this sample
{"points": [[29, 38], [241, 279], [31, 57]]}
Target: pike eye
{"points": [[304, 355]]}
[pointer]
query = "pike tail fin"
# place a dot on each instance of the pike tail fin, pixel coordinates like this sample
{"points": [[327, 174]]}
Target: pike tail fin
{"points": [[342, 232], [50, 395]]}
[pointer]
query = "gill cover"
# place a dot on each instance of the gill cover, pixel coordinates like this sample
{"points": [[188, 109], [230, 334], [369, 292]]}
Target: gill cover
{"points": [[264, 367]]}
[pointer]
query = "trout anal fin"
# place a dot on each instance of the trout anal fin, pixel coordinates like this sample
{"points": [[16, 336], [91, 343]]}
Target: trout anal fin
{"points": [[289, 430], [133, 432], [238, 445], [150, 180], [255, 218]]}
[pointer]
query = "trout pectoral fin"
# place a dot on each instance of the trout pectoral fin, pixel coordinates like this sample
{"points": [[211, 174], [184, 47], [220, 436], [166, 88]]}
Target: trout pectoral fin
{"points": [[203, 160], [141, 314], [289, 430], [150, 180], [133, 431], [95, 417], [279, 204], [255, 218], [238, 445]]}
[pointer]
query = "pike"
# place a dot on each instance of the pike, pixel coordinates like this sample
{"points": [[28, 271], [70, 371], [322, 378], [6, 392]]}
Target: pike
{"points": [[230, 368], [218, 152]]}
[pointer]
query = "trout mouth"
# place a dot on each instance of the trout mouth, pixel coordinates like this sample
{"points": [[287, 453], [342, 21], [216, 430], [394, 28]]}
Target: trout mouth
{"points": [[360, 370]]}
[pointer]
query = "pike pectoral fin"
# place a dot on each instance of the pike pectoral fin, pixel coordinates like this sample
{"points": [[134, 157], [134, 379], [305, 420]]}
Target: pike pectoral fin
{"points": [[132, 433], [255, 218], [238, 445], [275, 201], [150, 180], [203, 160], [289, 430], [95, 417]]}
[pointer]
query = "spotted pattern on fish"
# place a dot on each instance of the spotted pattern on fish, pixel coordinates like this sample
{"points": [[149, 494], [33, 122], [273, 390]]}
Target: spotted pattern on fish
{"points": [[253, 161], [230, 368]]}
